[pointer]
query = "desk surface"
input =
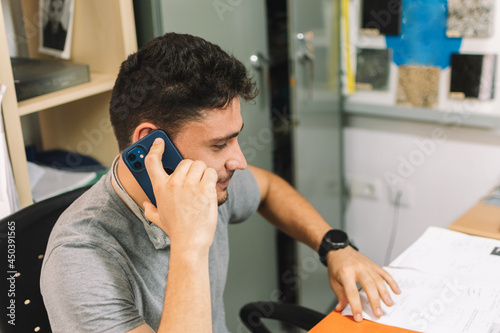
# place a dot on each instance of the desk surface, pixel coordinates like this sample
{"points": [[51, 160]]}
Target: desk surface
{"points": [[481, 220], [336, 322]]}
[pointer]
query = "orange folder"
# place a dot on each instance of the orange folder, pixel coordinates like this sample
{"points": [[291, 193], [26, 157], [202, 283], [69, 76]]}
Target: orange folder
{"points": [[336, 322]]}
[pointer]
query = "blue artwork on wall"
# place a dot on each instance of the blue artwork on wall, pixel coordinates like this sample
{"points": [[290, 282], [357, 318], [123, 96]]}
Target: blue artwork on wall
{"points": [[423, 38]]}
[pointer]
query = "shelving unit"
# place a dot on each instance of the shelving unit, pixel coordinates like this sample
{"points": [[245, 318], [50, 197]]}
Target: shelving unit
{"points": [[76, 118], [441, 117]]}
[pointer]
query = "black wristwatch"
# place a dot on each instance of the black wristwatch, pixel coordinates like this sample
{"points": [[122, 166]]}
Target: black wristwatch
{"points": [[334, 239]]}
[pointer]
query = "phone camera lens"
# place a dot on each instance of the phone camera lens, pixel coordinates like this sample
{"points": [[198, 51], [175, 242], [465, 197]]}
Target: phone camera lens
{"points": [[131, 157], [137, 165]]}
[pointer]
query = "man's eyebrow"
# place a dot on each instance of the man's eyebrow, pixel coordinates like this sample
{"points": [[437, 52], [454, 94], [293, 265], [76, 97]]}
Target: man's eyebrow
{"points": [[228, 137]]}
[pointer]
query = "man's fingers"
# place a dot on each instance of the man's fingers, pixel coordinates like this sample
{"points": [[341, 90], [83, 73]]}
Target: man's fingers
{"points": [[341, 296], [390, 281], [154, 165], [201, 175], [382, 287], [151, 212], [371, 289], [384, 293], [195, 173], [210, 177], [353, 298]]}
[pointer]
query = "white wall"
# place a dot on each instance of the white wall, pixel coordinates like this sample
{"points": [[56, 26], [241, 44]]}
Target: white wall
{"points": [[449, 175]]}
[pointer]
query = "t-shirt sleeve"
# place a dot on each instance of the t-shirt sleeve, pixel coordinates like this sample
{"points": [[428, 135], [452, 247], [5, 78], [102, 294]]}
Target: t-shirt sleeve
{"points": [[243, 196], [95, 297]]}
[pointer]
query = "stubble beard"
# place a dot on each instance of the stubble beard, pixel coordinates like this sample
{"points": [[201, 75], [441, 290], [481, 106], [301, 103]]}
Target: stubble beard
{"points": [[223, 199]]}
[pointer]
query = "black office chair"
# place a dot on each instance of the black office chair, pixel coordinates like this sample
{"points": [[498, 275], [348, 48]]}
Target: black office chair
{"points": [[252, 314], [31, 227]]}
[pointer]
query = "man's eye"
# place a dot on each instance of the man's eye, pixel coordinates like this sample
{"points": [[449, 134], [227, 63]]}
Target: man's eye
{"points": [[220, 147]]}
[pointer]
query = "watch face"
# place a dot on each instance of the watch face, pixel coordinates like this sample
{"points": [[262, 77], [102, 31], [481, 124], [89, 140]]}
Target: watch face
{"points": [[337, 236], [333, 240]]}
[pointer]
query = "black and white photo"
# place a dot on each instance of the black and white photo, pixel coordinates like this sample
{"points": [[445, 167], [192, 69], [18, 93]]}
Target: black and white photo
{"points": [[56, 23]]}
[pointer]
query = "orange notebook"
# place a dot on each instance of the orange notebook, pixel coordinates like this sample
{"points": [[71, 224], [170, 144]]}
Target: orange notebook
{"points": [[336, 322]]}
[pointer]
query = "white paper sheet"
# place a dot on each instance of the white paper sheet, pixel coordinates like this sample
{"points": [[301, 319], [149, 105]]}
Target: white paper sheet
{"points": [[450, 282], [452, 254], [47, 182]]}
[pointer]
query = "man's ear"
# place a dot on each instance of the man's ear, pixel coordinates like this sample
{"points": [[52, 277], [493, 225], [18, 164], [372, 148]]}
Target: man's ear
{"points": [[142, 130]]}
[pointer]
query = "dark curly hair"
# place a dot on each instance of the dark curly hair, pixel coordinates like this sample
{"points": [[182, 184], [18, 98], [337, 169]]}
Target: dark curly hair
{"points": [[174, 79]]}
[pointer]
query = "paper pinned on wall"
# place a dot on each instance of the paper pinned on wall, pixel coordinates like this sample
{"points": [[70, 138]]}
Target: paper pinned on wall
{"points": [[9, 201]]}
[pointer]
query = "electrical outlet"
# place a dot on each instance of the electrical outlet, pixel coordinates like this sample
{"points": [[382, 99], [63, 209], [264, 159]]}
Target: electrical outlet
{"points": [[402, 194], [364, 187]]}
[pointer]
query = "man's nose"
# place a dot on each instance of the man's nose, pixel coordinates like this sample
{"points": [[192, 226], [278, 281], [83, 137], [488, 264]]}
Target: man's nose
{"points": [[236, 160]]}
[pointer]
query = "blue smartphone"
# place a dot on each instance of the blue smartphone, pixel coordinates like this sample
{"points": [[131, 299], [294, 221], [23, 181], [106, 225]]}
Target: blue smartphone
{"points": [[134, 155]]}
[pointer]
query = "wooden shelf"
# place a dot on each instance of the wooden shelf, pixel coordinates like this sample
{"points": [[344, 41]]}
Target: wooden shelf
{"points": [[99, 83], [68, 118], [481, 120]]}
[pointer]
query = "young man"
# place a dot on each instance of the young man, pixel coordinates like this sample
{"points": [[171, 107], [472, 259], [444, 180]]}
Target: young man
{"points": [[117, 263]]}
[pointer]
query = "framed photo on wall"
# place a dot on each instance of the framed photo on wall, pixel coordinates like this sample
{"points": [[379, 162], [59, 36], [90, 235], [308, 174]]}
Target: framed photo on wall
{"points": [[56, 26]]}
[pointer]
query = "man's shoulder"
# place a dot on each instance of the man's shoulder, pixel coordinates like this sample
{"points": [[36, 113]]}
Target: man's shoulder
{"points": [[242, 177], [95, 216], [92, 204], [243, 196], [243, 186]]}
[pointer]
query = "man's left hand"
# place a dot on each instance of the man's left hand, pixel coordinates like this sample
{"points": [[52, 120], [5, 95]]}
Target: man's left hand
{"points": [[346, 267]]}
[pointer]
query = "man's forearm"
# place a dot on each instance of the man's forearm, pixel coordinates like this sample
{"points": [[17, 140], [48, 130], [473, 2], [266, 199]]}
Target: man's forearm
{"points": [[293, 214], [289, 211], [187, 306], [187, 213]]}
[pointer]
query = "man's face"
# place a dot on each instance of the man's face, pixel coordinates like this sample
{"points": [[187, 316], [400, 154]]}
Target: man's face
{"points": [[214, 140], [55, 10]]}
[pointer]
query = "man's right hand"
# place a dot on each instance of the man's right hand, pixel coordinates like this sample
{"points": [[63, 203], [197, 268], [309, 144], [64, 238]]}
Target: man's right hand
{"points": [[187, 212], [186, 199]]}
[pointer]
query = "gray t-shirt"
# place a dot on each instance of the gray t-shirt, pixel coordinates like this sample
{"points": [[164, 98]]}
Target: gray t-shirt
{"points": [[105, 267]]}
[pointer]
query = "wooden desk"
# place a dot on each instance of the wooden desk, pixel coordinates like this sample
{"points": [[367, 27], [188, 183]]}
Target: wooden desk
{"points": [[481, 220]]}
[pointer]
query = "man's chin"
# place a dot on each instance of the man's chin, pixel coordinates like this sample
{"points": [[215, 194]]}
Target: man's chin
{"points": [[222, 198]]}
